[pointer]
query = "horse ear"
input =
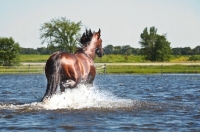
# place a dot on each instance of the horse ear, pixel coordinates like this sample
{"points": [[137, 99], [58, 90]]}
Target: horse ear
{"points": [[99, 31], [91, 34]]}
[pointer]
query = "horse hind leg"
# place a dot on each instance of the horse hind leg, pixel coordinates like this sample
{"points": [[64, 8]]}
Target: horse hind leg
{"points": [[67, 84], [62, 88]]}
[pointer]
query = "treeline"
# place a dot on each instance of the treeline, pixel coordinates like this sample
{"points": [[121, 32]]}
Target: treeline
{"points": [[41, 50], [110, 49], [186, 51], [128, 50]]}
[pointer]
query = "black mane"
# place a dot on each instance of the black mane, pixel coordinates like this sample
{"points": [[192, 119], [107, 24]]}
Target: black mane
{"points": [[85, 40], [86, 37]]}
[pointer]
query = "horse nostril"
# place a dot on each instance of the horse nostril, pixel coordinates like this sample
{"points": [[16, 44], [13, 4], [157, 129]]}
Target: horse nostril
{"points": [[100, 55]]}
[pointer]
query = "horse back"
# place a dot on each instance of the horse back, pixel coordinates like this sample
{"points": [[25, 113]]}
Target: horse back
{"points": [[77, 67]]}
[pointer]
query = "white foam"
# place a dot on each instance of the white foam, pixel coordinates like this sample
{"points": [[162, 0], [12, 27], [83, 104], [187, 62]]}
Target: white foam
{"points": [[79, 98], [82, 97]]}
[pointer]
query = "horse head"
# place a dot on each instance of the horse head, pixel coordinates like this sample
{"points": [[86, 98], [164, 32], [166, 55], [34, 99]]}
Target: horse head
{"points": [[98, 42], [91, 43]]}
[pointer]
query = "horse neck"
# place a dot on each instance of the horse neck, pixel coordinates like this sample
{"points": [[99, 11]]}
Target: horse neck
{"points": [[90, 51]]}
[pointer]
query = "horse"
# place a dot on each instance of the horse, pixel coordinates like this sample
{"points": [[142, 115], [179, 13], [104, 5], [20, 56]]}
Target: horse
{"points": [[68, 70]]}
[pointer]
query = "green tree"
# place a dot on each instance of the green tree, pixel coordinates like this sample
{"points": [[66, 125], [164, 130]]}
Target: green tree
{"points": [[186, 51], [155, 47], [176, 51], [117, 50], [196, 50], [9, 51], [61, 33], [126, 50], [28, 51], [136, 51], [162, 49], [108, 49], [43, 50]]}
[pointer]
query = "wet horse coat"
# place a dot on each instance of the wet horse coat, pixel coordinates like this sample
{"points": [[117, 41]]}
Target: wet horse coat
{"points": [[68, 70]]}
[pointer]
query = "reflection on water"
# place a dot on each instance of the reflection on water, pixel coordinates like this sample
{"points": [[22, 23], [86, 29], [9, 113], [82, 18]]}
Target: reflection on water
{"points": [[115, 102]]}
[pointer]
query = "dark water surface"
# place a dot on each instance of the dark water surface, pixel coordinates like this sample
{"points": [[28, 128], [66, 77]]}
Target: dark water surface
{"points": [[114, 103]]}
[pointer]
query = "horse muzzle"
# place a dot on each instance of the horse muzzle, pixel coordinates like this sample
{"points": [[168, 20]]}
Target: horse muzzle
{"points": [[99, 52]]}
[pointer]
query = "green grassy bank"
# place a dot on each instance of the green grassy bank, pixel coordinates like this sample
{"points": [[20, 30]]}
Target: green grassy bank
{"points": [[110, 69], [34, 58], [131, 69], [106, 58], [22, 69]]}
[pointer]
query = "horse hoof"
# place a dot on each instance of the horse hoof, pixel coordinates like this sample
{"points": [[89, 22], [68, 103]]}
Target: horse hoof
{"points": [[44, 99], [69, 84]]}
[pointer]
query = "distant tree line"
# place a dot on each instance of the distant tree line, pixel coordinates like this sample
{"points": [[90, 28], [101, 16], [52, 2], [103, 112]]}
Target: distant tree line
{"points": [[110, 49], [128, 50], [186, 51], [41, 50]]}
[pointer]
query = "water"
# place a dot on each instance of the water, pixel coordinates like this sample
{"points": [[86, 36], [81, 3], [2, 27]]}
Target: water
{"points": [[115, 103]]}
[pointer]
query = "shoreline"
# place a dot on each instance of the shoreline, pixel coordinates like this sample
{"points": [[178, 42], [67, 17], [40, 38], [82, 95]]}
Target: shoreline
{"points": [[134, 64], [114, 68]]}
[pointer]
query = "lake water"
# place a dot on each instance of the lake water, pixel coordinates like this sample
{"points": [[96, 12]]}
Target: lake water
{"points": [[115, 103]]}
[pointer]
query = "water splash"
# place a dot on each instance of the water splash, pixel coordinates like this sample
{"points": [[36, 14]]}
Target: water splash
{"points": [[78, 98], [91, 98], [84, 97]]}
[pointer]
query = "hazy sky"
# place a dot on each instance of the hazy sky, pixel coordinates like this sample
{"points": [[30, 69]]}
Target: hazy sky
{"points": [[121, 21]]}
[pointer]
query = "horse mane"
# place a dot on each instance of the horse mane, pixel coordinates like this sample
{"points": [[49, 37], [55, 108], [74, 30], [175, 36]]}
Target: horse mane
{"points": [[84, 40], [86, 37]]}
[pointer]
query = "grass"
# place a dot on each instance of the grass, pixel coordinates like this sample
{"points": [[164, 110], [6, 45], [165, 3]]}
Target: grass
{"points": [[131, 69], [119, 59], [179, 58], [34, 58], [21, 69], [106, 58], [111, 69], [152, 69]]}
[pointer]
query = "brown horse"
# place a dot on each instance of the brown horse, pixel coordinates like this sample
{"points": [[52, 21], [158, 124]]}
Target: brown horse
{"points": [[68, 70]]}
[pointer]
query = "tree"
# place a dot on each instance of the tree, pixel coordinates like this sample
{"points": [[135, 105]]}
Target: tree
{"points": [[126, 50], [176, 51], [117, 50], [196, 50], [43, 50], [108, 49], [186, 51], [136, 51], [61, 33], [155, 47], [28, 51], [9, 51], [162, 49]]}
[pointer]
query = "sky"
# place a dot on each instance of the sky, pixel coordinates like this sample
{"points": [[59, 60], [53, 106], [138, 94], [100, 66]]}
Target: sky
{"points": [[121, 21]]}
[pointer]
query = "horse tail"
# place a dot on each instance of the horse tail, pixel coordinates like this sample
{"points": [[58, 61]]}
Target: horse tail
{"points": [[52, 71]]}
